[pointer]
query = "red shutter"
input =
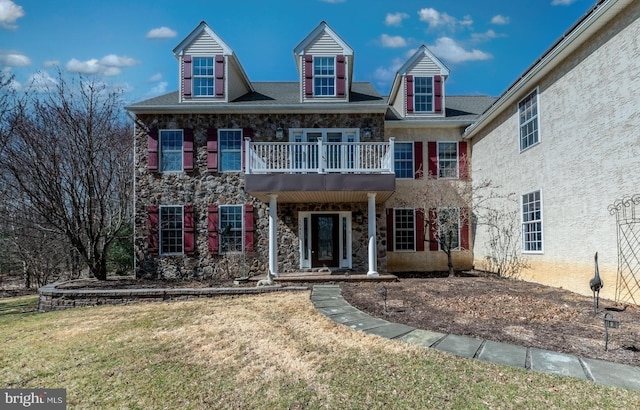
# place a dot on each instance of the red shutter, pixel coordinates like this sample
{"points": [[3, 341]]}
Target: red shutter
{"points": [[153, 229], [186, 76], [409, 92], [212, 228], [390, 229], [437, 91], [187, 150], [248, 228], [219, 76], [152, 150], [189, 231], [433, 229], [340, 74], [465, 217], [419, 230], [463, 160], [418, 160], [212, 149], [432, 152], [308, 75]]}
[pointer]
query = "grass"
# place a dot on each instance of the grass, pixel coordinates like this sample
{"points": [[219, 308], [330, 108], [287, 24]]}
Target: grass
{"points": [[271, 351]]}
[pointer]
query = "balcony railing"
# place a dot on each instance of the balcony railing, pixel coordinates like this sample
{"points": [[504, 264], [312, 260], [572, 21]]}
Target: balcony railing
{"points": [[319, 157]]}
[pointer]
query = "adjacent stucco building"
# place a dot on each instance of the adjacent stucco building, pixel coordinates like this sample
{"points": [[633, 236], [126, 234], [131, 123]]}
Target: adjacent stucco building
{"points": [[564, 138]]}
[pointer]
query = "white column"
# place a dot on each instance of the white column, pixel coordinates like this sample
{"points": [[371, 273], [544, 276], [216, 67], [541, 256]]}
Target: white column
{"points": [[273, 235], [373, 254]]}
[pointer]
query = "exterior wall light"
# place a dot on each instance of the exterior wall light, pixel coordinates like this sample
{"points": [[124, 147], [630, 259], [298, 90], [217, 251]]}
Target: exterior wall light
{"points": [[279, 133], [367, 133]]}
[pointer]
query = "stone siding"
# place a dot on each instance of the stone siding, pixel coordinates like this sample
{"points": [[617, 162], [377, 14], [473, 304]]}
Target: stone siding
{"points": [[201, 188]]}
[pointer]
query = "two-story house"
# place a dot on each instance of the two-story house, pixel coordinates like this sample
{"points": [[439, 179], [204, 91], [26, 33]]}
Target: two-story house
{"points": [[564, 138], [290, 176]]}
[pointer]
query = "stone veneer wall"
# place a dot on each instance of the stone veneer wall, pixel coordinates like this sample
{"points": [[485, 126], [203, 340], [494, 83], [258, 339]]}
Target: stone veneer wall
{"points": [[201, 188]]}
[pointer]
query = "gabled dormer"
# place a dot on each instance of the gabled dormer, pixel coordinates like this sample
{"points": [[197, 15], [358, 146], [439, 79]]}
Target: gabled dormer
{"points": [[209, 69], [325, 66], [418, 87]]}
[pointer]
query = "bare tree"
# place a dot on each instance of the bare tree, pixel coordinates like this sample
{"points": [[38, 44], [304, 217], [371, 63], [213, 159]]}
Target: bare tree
{"points": [[498, 214], [68, 163]]}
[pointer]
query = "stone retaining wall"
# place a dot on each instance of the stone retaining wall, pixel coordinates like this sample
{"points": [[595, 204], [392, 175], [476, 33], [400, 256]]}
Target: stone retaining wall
{"points": [[52, 298]]}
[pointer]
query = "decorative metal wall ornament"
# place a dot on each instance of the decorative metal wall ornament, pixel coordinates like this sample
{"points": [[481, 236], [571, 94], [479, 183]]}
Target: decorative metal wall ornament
{"points": [[627, 213]]}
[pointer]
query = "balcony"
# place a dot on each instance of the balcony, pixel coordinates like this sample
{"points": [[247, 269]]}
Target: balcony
{"points": [[320, 171]]}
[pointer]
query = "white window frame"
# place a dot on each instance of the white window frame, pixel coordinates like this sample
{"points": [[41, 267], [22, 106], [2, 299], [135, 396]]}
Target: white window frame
{"points": [[222, 151], [439, 213], [175, 151], [429, 96], [164, 231], [530, 222], [199, 76], [449, 160], [405, 160], [321, 76], [525, 106], [235, 230], [396, 229]]}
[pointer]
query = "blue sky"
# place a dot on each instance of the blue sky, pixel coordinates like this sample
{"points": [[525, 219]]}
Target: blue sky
{"points": [[486, 44]]}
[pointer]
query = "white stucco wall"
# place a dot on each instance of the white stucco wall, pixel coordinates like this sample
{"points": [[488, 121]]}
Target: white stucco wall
{"points": [[588, 156]]}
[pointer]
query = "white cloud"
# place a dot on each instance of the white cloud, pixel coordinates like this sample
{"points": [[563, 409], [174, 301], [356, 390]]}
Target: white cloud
{"points": [[113, 60], [84, 67], [161, 32], [436, 19], [109, 65], [500, 19], [395, 19], [384, 75], [447, 49], [487, 35], [155, 77], [160, 88], [392, 41], [41, 82], [562, 2], [9, 13], [333, 1], [12, 59]]}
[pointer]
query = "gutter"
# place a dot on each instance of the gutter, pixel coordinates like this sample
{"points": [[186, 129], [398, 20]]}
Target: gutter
{"points": [[568, 43]]}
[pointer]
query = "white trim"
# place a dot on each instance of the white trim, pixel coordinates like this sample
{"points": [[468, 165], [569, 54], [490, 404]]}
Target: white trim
{"points": [[415, 231], [457, 159], [160, 252], [522, 241], [537, 91], [344, 261], [160, 151]]}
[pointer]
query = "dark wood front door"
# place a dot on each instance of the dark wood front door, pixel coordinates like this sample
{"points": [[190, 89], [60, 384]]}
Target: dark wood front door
{"points": [[324, 240]]}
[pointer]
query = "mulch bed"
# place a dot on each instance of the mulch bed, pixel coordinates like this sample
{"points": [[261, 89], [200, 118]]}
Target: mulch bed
{"points": [[505, 310]]}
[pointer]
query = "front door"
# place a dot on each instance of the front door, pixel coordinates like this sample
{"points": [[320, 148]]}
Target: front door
{"points": [[325, 240]]}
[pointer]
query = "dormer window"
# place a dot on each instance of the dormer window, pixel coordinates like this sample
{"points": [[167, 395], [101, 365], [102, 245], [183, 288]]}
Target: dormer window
{"points": [[423, 94], [324, 76], [203, 77]]}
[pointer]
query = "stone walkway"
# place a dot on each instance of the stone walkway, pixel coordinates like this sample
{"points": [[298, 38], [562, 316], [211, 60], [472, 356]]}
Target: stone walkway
{"points": [[328, 300]]}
